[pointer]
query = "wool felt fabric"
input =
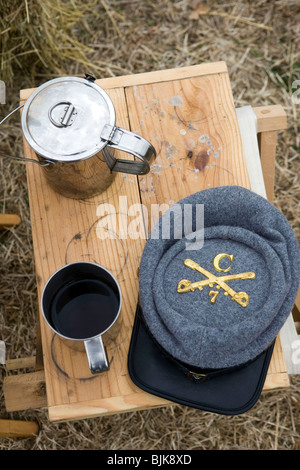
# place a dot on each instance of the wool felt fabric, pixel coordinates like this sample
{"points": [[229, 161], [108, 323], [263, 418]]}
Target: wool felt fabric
{"points": [[256, 238]]}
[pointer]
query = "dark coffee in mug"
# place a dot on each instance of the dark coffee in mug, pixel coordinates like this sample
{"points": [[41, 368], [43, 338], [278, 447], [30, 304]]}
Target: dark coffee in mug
{"points": [[84, 308]]}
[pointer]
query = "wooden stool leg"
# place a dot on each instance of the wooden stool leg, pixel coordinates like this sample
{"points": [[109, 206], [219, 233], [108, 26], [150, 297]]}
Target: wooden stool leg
{"points": [[267, 148], [39, 362], [270, 120], [14, 428], [9, 220]]}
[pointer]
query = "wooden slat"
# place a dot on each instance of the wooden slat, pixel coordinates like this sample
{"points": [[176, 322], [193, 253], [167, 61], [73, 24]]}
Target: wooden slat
{"points": [[65, 230], [153, 77], [270, 118], [108, 406], [13, 428], [20, 363], [277, 376], [192, 123]]}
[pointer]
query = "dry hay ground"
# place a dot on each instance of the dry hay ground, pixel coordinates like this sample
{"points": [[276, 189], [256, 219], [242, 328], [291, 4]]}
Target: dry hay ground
{"points": [[135, 36]]}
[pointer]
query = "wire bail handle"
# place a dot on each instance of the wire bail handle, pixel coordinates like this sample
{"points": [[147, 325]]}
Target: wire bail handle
{"points": [[45, 163]]}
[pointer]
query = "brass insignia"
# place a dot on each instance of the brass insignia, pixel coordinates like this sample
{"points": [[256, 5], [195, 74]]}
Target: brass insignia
{"points": [[217, 259], [242, 298]]}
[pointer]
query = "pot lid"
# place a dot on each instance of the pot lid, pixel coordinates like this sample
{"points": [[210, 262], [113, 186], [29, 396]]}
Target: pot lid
{"points": [[62, 119]]}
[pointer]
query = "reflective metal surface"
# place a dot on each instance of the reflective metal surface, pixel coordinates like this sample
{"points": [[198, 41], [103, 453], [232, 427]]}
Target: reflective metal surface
{"points": [[54, 138]]}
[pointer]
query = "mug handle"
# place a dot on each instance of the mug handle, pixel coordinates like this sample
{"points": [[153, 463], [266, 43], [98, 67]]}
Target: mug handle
{"points": [[96, 354], [129, 142]]}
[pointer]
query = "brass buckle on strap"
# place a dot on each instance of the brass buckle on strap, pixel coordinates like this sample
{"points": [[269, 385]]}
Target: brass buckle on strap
{"points": [[196, 377]]}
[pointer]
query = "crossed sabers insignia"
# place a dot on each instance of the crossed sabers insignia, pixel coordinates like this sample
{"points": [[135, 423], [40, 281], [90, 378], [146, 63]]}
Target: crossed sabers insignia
{"points": [[242, 298]]}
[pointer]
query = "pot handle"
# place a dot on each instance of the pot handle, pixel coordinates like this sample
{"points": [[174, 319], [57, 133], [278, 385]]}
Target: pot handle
{"points": [[45, 163], [129, 142]]}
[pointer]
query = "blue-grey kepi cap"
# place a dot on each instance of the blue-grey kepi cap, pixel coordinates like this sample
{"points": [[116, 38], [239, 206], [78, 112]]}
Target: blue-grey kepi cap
{"points": [[218, 278]]}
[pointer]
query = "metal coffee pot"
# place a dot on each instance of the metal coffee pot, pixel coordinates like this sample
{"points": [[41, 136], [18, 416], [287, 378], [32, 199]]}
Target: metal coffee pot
{"points": [[70, 123]]}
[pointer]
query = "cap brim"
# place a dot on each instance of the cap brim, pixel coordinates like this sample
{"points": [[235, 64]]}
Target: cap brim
{"points": [[231, 393]]}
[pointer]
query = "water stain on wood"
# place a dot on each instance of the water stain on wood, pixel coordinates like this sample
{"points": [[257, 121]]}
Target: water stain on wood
{"points": [[201, 161]]}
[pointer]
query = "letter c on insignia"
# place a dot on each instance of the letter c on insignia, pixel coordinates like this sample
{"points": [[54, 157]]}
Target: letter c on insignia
{"points": [[217, 259]]}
